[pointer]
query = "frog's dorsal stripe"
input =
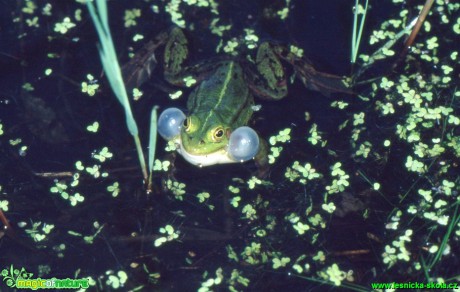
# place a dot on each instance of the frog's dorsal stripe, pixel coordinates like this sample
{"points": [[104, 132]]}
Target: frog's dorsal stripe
{"points": [[222, 92]]}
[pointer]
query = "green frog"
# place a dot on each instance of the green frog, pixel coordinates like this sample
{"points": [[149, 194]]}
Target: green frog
{"points": [[220, 106]]}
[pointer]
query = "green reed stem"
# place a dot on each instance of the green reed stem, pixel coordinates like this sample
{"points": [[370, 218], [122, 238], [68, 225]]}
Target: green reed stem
{"points": [[356, 37], [113, 72]]}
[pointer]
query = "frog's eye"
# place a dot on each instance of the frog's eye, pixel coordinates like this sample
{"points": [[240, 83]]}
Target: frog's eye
{"points": [[187, 124], [218, 134]]}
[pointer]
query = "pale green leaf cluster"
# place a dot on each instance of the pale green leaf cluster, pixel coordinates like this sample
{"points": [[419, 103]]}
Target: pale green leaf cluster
{"points": [[168, 234], [39, 234], [301, 173], [116, 280], [340, 179], [333, 274], [131, 17], [212, 282], [177, 188], [64, 26], [89, 87], [397, 251]]}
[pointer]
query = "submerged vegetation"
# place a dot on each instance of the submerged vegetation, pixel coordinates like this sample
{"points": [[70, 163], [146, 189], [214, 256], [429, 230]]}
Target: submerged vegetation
{"points": [[365, 191]]}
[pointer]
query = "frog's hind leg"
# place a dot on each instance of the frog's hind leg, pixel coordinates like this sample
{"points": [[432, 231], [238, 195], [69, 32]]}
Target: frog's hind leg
{"points": [[312, 79], [139, 69], [176, 71], [266, 77], [175, 53]]}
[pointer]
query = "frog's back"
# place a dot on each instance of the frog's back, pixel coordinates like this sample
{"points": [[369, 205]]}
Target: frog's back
{"points": [[224, 94]]}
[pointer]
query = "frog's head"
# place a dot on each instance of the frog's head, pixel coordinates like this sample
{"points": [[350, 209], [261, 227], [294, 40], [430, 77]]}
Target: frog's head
{"points": [[200, 135], [204, 139]]}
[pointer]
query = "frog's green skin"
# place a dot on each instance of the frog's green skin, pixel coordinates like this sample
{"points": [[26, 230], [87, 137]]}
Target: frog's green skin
{"points": [[223, 97], [217, 106]]}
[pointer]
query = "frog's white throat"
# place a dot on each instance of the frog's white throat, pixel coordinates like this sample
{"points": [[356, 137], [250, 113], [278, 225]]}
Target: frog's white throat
{"points": [[218, 157]]}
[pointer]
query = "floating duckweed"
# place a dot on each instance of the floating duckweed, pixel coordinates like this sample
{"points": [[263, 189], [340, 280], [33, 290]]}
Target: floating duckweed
{"points": [[137, 94], [364, 149], [170, 146], [282, 137], [64, 26], [231, 254], [412, 209], [235, 201], [103, 155], [237, 278], [333, 274], [432, 43], [116, 281], [79, 165], [93, 128], [388, 52], [330, 207], [415, 165], [230, 47], [220, 29], [251, 38], [300, 227], [176, 94], [15, 142], [170, 235], [29, 7], [397, 250], [28, 87], [233, 189], [298, 268], [131, 16], [253, 181], [296, 51], [315, 136], [39, 235], [138, 37], [32, 22], [317, 221], [177, 188], [274, 153], [203, 196], [93, 170], [161, 165], [48, 71], [301, 173], [173, 9], [4, 205], [206, 285], [77, 15], [358, 119], [114, 189], [283, 13], [280, 262], [89, 87], [249, 212], [339, 184], [1, 129], [75, 199], [340, 104], [189, 81]]}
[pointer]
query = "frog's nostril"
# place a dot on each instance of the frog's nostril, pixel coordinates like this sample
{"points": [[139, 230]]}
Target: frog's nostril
{"points": [[201, 142]]}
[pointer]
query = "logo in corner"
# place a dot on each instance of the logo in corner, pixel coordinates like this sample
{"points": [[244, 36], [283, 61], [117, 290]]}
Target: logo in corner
{"points": [[11, 275]]}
